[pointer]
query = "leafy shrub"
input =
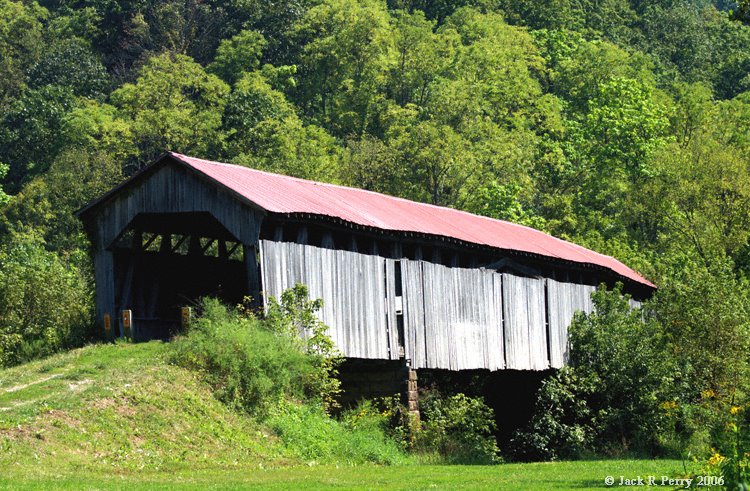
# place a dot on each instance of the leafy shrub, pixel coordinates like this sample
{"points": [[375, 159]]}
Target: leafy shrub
{"points": [[313, 436], [45, 302], [562, 425], [459, 428], [294, 317], [388, 414], [617, 396], [249, 366]]}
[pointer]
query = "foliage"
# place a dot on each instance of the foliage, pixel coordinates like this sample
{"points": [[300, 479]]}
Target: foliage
{"points": [[173, 105], [459, 428], [242, 53], [312, 436], [71, 63], [705, 312], [562, 425], [251, 366], [45, 302], [47, 204], [21, 34], [616, 395], [30, 132], [294, 318], [735, 466], [502, 202]]}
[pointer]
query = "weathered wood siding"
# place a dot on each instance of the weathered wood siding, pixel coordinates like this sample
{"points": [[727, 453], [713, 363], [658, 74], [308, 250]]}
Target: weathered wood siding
{"points": [[454, 318], [564, 300], [353, 288], [525, 329]]}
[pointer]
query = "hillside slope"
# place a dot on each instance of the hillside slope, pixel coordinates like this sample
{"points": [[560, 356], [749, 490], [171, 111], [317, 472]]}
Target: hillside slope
{"points": [[121, 407]]}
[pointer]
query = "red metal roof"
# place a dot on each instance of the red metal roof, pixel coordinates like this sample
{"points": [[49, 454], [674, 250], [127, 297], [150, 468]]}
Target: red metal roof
{"points": [[283, 194]]}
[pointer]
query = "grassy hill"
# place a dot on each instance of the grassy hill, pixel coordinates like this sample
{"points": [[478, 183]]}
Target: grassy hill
{"points": [[118, 416], [121, 407]]}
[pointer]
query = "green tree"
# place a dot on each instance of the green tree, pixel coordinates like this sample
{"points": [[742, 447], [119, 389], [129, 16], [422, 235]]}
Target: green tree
{"points": [[344, 60], [436, 162], [264, 131], [21, 35], [625, 125], [98, 127], [369, 163], [71, 64], [421, 55], [501, 61], [173, 105], [45, 302], [705, 310], [30, 132], [241, 53], [47, 204]]}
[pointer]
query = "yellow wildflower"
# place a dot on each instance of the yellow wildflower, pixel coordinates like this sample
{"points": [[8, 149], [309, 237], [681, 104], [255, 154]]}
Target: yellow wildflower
{"points": [[708, 394], [668, 405], [735, 409], [716, 458]]}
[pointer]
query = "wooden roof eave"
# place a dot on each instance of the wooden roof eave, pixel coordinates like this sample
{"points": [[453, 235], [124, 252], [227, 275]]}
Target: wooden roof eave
{"points": [[404, 234], [164, 159]]}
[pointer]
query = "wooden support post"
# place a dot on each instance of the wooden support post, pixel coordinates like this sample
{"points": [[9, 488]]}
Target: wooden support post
{"points": [[107, 325], [186, 315], [436, 256], [194, 247], [396, 251], [137, 240], [327, 241], [455, 260], [127, 323], [253, 279], [166, 244], [223, 252]]}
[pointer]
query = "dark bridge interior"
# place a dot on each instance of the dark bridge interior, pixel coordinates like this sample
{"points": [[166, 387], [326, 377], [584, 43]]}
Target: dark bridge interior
{"points": [[164, 261]]}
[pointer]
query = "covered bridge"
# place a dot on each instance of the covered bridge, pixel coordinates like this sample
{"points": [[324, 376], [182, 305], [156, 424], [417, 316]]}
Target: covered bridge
{"points": [[435, 287]]}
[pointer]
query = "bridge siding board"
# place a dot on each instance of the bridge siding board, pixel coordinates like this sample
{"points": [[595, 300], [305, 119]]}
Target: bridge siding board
{"points": [[454, 318], [350, 285], [390, 308]]}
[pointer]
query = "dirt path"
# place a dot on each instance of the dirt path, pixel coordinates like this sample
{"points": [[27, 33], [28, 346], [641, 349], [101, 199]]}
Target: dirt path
{"points": [[23, 386]]}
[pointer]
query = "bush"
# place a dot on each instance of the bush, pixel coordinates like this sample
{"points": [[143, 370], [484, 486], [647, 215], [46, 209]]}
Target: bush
{"points": [[562, 425], [249, 366], [294, 317], [45, 302], [309, 434], [618, 395], [459, 428]]}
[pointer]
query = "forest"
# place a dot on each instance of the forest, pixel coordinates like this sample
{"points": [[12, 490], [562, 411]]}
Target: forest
{"points": [[620, 125]]}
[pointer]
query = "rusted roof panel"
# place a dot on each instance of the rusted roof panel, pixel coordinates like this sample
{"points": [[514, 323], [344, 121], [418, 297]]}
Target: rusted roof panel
{"points": [[283, 194]]}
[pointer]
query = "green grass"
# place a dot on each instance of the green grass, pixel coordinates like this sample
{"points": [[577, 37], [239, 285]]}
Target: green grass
{"points": [[119, 417], [584, 475]]}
